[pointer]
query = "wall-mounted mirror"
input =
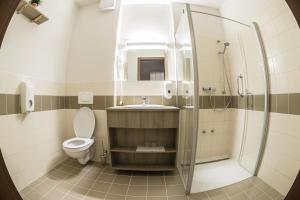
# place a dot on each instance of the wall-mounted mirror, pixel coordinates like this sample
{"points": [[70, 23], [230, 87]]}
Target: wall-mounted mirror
{"points": [[146, 62], [145, 65]]}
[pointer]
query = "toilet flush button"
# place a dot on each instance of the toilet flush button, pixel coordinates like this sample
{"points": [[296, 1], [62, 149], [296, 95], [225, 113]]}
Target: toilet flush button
{"points": [[85, 98]]}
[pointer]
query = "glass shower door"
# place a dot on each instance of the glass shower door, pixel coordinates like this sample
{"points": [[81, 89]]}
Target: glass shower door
{"points": [[254, 98], [187, 87]]}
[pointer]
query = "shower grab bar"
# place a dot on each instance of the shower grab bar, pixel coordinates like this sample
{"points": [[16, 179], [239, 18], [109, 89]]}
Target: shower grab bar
{"points": [[240, 79]]}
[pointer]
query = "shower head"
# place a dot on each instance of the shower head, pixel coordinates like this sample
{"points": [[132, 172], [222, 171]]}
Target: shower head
{"points": [[226, 44]]}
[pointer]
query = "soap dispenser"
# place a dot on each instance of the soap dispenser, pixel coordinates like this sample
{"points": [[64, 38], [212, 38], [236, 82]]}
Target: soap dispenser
{"points": [[168, 90], [27, 97]]}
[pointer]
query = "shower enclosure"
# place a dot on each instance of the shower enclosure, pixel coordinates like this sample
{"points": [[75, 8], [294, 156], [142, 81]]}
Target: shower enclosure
{"points": [[222, 67]]}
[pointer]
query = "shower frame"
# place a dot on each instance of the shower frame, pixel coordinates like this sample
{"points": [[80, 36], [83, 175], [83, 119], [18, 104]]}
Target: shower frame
{"points": [[265, 128]]}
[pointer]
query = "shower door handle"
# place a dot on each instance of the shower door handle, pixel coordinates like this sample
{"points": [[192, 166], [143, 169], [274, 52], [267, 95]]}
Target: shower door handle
{"points": [[239, 89]]}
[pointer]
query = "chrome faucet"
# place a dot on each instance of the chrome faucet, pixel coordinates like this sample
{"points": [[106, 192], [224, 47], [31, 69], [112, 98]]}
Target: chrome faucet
{"points": [[145, 99]]}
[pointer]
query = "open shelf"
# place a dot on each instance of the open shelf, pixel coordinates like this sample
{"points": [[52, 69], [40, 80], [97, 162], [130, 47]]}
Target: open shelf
{"points": [[133, 150], [144, 167], [129, 130], [32, 13]]}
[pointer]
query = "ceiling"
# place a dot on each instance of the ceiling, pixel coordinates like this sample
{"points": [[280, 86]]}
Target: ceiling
{"points": [[209, 3]]}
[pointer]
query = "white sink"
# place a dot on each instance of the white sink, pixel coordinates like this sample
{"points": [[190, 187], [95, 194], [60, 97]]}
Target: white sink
{"points": [[148, 106]]}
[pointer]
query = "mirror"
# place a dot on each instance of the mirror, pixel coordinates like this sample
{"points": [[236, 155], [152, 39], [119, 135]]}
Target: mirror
{"points": [[146, 62], [145, 65]]}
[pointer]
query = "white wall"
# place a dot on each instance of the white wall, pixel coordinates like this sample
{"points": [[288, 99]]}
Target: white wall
{"points": [[31, 145], [281, 35], [92, 51], [146, 23], [39, 51]]}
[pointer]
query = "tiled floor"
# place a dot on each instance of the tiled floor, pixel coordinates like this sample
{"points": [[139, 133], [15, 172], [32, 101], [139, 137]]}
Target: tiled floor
{"points": [[71, 181]]}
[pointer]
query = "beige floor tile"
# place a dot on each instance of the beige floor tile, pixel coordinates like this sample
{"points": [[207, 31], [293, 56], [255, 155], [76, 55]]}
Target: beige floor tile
{"points": [[239, 196], [118, 189], [93, 195], [252, 192], [34, 195], [114, 197], [232, 190], [44, 187], [157, 191], [178, 198], [199, 196], [106, 178], [135, 198], [175, 190], [138, 180], [101, 187], [54, 195], [137, 191], [173, 180], [120, 179], [156, 180], [157, 198], [69, 197], [78, 192]]}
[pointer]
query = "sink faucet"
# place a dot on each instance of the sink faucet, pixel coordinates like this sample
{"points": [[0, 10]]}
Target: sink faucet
{"points": [[145, 99]]}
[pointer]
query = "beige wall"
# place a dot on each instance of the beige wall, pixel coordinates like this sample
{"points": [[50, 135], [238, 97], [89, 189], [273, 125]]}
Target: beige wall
{"points": [[31, 144], [281, 35]]}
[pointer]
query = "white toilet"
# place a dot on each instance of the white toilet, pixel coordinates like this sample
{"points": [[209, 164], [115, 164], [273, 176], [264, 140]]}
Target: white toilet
{"points": [[82, 147]]}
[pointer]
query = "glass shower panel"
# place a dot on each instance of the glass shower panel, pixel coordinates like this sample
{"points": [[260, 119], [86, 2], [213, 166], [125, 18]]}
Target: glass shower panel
{"points": [[231, 107], [254, 95], [186, 96]]}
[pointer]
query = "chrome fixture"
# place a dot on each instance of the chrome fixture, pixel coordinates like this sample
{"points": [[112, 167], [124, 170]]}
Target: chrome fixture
{"points": [[145, 99], [240, 91], [226, 44]]}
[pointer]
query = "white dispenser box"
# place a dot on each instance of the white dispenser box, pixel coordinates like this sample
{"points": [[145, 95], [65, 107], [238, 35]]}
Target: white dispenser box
{"points": [[168, 90], [27, 97], [85, 98]]}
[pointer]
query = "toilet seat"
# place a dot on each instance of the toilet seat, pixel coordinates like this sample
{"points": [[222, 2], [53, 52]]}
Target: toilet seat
{"points": [[78, 144]]}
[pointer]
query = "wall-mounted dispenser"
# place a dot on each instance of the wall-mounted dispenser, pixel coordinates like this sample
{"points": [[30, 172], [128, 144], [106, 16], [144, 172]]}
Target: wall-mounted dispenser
{"points": [[188, 88], [27, 97], [168, 90], [85, 98]]}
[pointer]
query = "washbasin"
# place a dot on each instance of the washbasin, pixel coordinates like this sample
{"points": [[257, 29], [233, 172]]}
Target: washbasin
{"points": [[148, 106]]}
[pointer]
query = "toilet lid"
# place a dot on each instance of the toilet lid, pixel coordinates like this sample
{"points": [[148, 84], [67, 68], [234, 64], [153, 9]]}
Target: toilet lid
{"points": [[84, 123]]}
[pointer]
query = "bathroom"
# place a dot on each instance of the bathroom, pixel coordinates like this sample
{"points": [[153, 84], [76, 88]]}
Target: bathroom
{"points": [[81, 116]]}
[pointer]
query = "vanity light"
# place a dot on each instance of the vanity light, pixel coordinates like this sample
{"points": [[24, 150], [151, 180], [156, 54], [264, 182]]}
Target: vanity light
{"points": [[132, 46]]}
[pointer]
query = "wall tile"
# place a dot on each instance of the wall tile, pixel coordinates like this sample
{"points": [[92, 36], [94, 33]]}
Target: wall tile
{"points": [[61, 102], [169, 102], [282, 103], [219, 101], [46, 103], [242, 102], [67, 102], [273, 103], [99, 103], [109, 101], [207, 102], [294, 104], [259, 102], [155, 100], [13, 104], [54, 102], [3, 104], [74, 102], [37, 103]]}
